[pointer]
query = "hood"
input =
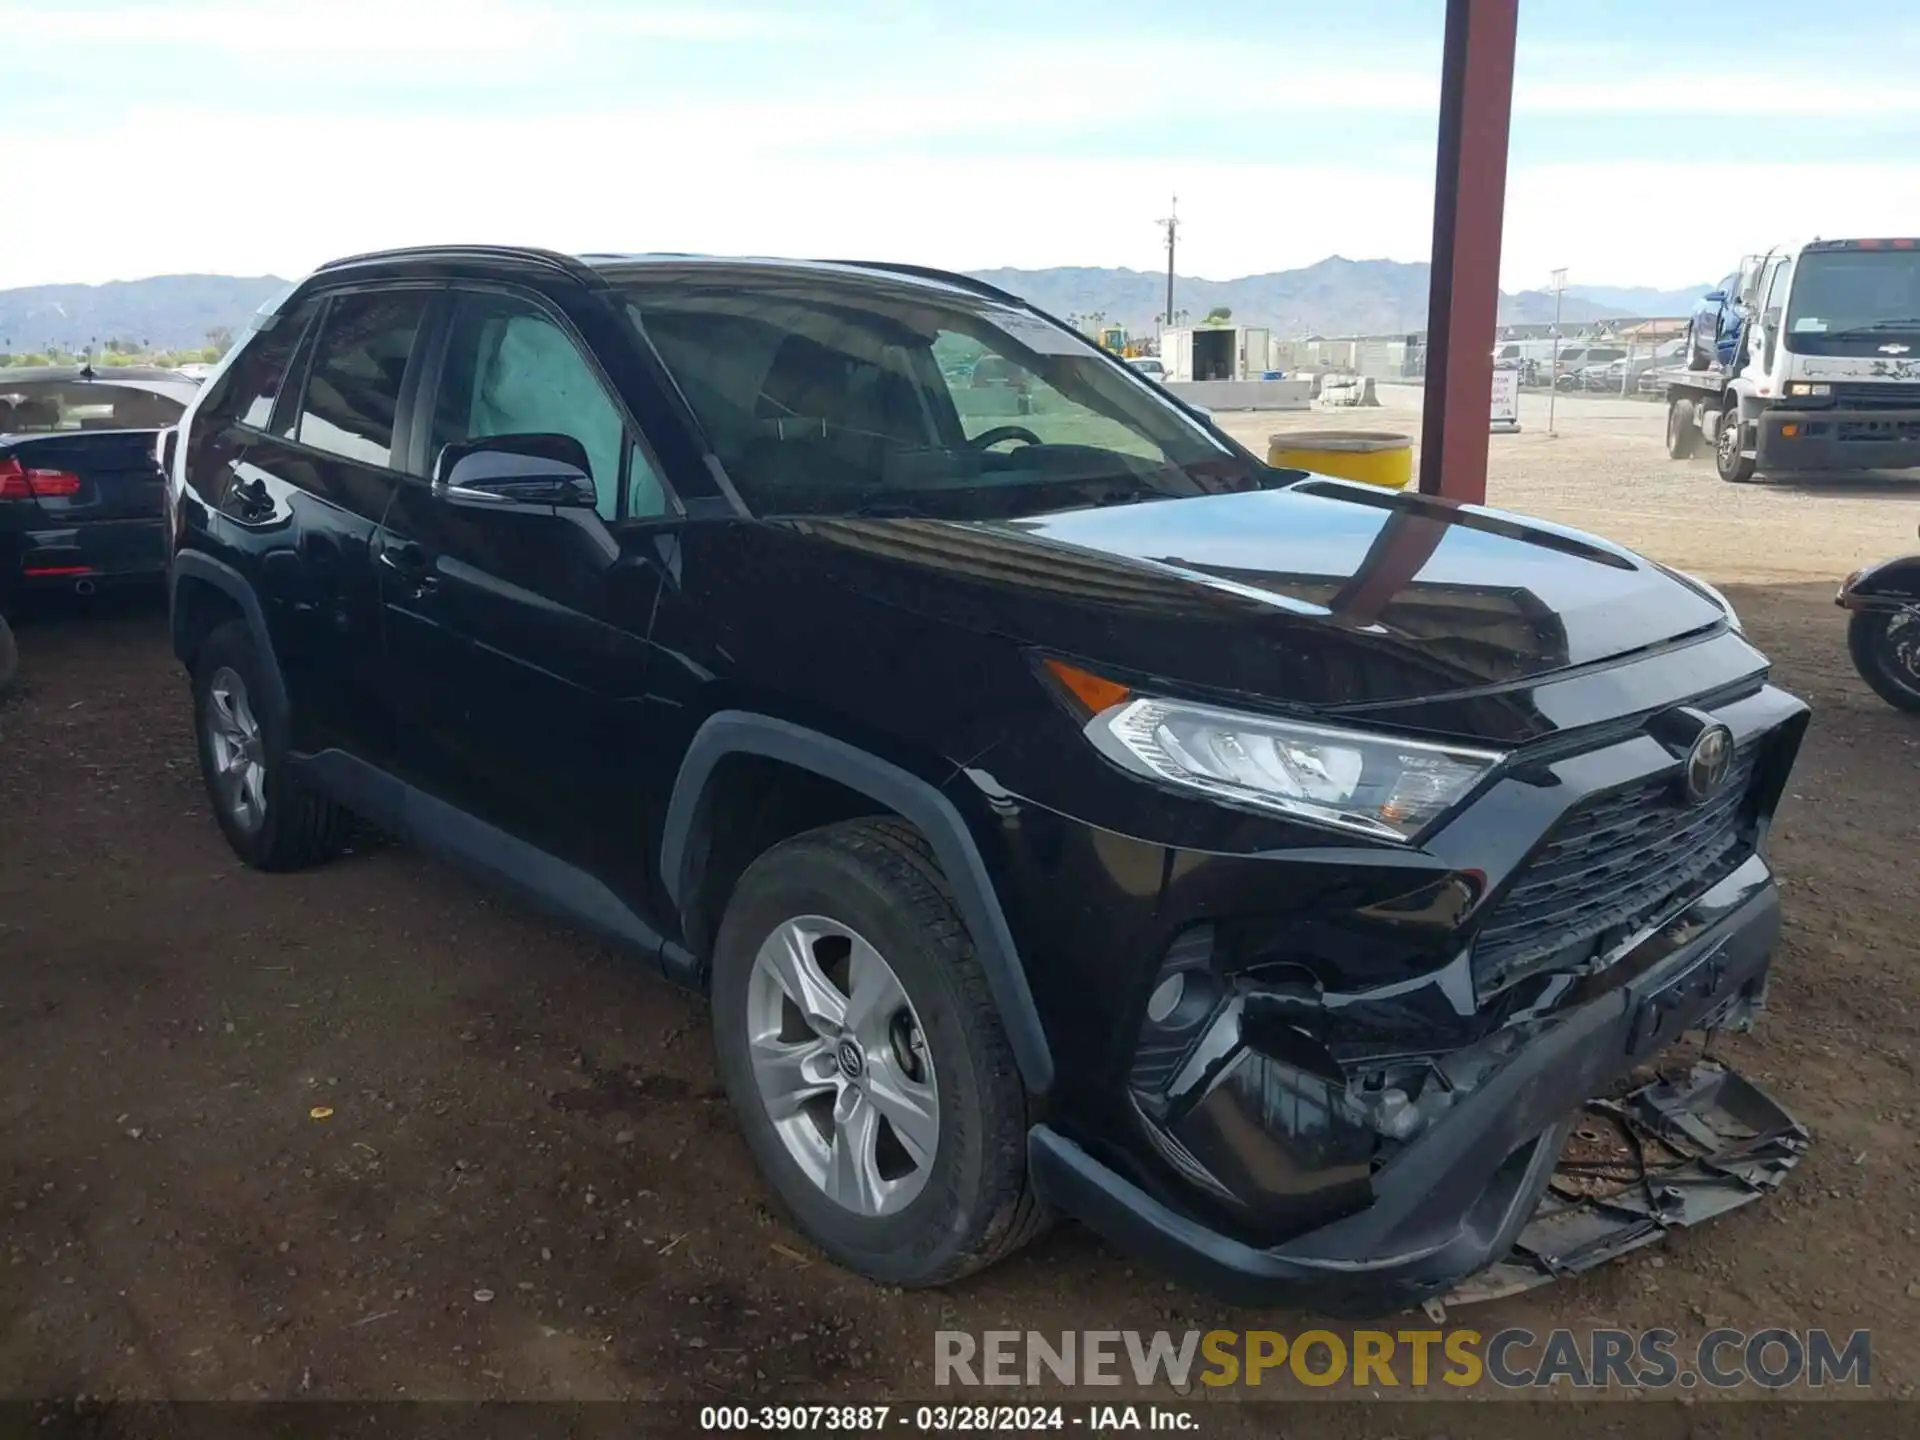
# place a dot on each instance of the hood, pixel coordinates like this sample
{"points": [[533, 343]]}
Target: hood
{"points": [[1325, 593]]}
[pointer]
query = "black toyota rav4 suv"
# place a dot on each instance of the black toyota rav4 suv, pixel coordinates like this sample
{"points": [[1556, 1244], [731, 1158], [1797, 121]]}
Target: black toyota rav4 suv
{"points": [[1064, 811]]}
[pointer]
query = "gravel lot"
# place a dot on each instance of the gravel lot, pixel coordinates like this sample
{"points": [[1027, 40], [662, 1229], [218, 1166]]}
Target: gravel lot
{"points": [[526, 1183]]}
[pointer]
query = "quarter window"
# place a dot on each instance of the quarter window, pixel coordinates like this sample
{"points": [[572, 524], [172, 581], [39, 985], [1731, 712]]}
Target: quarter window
{"points": [[261, 369], [353, 392]]}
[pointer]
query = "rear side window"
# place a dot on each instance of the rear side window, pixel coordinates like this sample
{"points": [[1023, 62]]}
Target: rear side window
{"points": [[359, 362], [261, 369]]}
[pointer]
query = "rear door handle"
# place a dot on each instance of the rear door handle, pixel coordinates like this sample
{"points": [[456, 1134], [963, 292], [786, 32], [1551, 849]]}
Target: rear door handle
{"points": [[407, 560], [250, 496]]}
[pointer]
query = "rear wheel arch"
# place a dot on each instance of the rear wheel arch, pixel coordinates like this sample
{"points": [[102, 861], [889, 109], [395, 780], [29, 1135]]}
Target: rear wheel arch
{"points": [[876, 786], [204, 594]]}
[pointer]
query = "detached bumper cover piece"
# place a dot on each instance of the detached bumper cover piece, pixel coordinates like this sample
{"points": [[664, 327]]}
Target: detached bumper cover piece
{"points": [[1694, 1148]]}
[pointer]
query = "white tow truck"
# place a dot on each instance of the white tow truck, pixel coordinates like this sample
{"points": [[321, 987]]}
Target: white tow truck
{"points": [[1826, 373]]}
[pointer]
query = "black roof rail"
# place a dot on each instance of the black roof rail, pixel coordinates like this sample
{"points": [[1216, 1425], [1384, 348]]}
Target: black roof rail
{"points": [[928, 272], [566, 265]]}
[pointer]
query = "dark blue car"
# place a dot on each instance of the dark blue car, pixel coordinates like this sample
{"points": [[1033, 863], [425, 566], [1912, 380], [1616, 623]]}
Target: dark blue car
{"points": [[1717, 325]]}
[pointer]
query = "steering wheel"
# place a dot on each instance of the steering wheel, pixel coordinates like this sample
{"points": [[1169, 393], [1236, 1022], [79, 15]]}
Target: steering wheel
{"points": [[1004, 432]]}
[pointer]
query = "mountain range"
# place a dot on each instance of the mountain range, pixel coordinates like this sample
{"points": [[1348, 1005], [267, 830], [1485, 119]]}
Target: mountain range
{"points": [[1335, 296], [163, 312]]}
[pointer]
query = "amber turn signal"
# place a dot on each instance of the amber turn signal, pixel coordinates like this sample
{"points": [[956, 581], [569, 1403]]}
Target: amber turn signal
{"points": [[1092, 691]]}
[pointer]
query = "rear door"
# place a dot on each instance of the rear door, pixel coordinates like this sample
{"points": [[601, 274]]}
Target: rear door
{"points": [[517, 634], [324, 427]]}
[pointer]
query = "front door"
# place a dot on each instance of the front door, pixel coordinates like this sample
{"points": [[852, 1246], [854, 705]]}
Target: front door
{"points": [[518, 633]]}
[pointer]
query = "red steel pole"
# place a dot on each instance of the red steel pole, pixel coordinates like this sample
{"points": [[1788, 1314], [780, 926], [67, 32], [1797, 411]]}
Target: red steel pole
{"points": [[1470, 194]]}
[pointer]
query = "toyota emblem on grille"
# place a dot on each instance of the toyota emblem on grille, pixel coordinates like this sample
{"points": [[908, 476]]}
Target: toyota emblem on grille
{"points": [[1708, 763]]}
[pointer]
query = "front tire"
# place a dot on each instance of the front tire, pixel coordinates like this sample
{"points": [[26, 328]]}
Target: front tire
{"points": [[272, 819], [1728, 463], [1885, 647], [861, 1049]]}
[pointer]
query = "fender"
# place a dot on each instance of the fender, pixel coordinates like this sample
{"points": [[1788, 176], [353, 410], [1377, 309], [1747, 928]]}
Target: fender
{"points": [[231, 583], [1890, 585], [730, 732]]}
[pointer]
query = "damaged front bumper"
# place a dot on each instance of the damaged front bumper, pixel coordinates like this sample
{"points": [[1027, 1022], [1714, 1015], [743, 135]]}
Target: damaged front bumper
{"points": [[1473, 1187]]}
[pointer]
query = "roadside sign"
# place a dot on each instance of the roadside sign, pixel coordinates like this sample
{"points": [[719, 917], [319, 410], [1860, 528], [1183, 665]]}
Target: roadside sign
{"points": [[1506, 401]]}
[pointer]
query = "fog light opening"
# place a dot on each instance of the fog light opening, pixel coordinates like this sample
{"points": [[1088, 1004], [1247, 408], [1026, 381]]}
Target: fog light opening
{"points": [[1166, 997]]}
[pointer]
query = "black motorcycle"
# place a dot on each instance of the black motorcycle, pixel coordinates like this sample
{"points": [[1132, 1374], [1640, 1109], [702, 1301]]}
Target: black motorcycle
{"points": [[1883, 633]]}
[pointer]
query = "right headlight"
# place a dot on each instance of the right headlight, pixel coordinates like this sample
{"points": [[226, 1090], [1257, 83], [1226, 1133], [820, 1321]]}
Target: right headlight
{"points": [[1376, 784]]}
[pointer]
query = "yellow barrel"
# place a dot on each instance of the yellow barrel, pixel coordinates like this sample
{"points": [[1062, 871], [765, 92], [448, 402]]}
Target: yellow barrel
{"points": [[1375, 457]]}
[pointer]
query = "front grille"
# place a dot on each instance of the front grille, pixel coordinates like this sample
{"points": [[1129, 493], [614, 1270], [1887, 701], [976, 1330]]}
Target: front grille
{"points": [[1615, 861], [1877, 396]]}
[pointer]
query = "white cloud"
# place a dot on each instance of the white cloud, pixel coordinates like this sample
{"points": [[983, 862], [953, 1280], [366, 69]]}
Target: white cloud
{"points": [[367, 35], [715, 186], [1634, 222], [951, 153]]}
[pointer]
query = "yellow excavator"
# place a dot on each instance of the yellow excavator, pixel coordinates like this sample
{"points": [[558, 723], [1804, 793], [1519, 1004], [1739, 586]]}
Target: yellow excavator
{"points": [[1114, 338]]}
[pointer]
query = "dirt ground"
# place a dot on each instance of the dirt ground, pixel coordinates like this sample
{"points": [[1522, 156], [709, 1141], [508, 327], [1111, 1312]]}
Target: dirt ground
{"points": [[372, 1132]]}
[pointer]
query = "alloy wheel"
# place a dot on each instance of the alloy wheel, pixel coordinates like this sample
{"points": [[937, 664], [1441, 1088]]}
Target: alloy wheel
{"points": [[239, 754], [842, 1065]]}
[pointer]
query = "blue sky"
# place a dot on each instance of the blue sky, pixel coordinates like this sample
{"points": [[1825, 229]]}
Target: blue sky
{"points": [[247, 135]]}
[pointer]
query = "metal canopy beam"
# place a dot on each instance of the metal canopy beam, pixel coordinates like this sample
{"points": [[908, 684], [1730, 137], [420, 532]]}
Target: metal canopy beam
{"points": [[1469, 198]]}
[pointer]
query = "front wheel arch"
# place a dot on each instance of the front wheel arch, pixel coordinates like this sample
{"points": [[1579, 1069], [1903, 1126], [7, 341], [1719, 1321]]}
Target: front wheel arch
{"points": [[920, 804]]}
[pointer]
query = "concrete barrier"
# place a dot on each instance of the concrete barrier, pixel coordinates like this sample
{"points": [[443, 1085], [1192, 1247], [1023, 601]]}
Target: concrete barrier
{"points": [[1245, 394]]}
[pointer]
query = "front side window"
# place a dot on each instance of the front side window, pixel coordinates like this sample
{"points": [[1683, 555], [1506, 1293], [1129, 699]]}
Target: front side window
{"points": [[511, 370], [359, 363], [830, 395]]}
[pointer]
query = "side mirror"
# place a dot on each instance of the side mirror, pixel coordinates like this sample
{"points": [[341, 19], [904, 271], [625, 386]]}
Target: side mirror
{"points": [[543, 470], [1715, 297]]}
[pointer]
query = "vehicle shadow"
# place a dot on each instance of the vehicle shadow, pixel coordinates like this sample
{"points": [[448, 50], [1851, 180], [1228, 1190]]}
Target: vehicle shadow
{"points": [[53, 609], [1847, 484]]}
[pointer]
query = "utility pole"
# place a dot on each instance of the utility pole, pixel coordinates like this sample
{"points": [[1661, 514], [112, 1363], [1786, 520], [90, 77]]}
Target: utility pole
{"points": [[1553, 369], [1172, 224]]}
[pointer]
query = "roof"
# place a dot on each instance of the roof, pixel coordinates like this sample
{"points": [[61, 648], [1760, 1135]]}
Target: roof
{"points": [[602, 266]]}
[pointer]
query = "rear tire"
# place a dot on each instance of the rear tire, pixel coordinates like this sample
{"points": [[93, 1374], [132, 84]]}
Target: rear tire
{"points": [[1728, 463], [1874, 656], [949, 1207], [271, 818], [1682, 432]]}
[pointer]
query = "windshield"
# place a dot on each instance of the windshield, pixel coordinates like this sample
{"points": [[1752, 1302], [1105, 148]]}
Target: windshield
{"points": [[827, 394], [1840, 293], [29, 407]]}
